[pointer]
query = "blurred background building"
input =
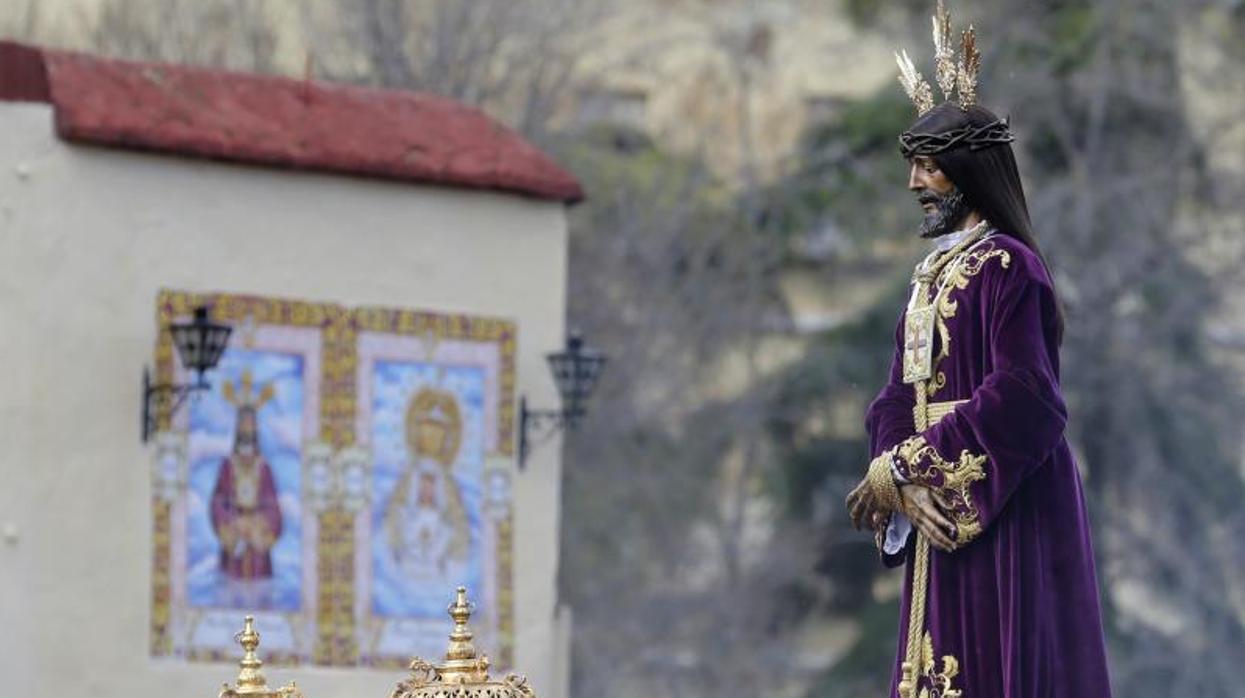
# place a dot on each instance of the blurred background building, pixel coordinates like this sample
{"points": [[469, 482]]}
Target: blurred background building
{"points": [[742, 255]]}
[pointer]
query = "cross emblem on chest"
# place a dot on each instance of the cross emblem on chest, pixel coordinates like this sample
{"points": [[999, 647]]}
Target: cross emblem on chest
{"points": [[918, 344], [918, 340]]}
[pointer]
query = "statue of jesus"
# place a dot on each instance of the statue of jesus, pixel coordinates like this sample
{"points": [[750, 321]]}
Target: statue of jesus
{"points": [[245, 513], [972, 482]]}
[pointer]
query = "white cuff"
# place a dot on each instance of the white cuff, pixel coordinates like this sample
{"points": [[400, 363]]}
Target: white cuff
{"points": [[896, 534]]}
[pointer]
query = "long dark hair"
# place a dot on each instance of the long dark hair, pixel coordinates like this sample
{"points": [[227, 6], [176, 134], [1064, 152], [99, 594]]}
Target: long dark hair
{"points": [[988, 177]]}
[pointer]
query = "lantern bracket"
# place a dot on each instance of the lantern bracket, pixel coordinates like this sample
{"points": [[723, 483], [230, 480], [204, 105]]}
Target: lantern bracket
{"points": [[167, 397], [531, 422], [576, 370], [200, 344]]}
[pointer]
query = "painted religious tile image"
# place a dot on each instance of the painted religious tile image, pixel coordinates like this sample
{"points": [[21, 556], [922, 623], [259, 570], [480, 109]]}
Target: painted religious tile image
{"points": [[243, 537], [427, 464], [240, 541], [432, 392], [345, 471]]}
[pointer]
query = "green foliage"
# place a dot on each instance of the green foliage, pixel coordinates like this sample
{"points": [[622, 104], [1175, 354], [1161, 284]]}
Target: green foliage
{"points": [[1072, 38], [813, 471], [863, 128], [863, 12], [669, 276], [866, 669], [869, 13], [639, 240], [850, 163], [616, 164]]}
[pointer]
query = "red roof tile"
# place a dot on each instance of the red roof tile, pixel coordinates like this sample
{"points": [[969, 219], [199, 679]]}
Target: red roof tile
{"points": [[275, 121]]}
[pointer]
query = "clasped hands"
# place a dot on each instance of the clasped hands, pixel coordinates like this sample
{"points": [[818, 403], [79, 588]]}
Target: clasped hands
{"points": [[252, 530], [923, 507]]}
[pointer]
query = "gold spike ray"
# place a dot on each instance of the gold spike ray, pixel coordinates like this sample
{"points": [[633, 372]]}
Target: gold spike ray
{"points": [[244, 395], [970, 66], [914, 84], [945, 69], [956, 75]]}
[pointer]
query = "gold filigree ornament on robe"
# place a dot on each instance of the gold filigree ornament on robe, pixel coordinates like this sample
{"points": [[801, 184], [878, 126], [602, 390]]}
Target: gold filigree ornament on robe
{"points": [[251, 681], [923, 310], [950, 479], [955, 278], [463, 674], [940, 682]]}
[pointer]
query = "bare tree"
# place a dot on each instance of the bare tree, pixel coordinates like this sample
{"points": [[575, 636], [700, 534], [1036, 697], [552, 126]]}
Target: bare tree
{"points": [[236, 34], [519, 59], [679, 273]]}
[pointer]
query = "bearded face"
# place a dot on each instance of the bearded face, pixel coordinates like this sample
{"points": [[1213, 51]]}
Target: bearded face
{"points": [[944, 212], [945, 206]]}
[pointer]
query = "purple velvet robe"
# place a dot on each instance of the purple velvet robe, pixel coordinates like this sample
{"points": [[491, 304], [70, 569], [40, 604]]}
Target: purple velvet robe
{"points": [[1017, 605]]}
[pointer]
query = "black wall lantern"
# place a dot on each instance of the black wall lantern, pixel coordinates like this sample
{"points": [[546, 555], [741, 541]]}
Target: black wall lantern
{"points": [[575, 371], [200, 344]]}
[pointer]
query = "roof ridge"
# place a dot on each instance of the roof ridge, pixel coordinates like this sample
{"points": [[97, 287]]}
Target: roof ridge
{"points": [[280, 121]]}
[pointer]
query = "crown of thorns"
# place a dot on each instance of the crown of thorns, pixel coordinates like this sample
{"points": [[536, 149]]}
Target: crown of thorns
{"points": [[971, 137]]}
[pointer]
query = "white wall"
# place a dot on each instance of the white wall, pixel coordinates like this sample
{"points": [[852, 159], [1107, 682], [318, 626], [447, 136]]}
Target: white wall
{"points": [[87, 236]]}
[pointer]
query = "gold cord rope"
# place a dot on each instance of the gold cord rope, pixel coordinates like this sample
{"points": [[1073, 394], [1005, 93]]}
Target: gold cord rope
{"points": [[920, 579], [881, 477], [911, 667]]}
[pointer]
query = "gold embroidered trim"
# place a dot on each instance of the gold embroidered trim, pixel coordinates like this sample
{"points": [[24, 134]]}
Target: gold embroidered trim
{"points": [[936, 411], [940, 682], [955, 276], [950, 479]]}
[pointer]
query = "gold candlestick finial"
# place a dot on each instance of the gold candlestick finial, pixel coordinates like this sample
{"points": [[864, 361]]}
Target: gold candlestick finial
{"points": [[462, 667], [251, 681], [250, 678], [460, 637], [461, 664]]}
